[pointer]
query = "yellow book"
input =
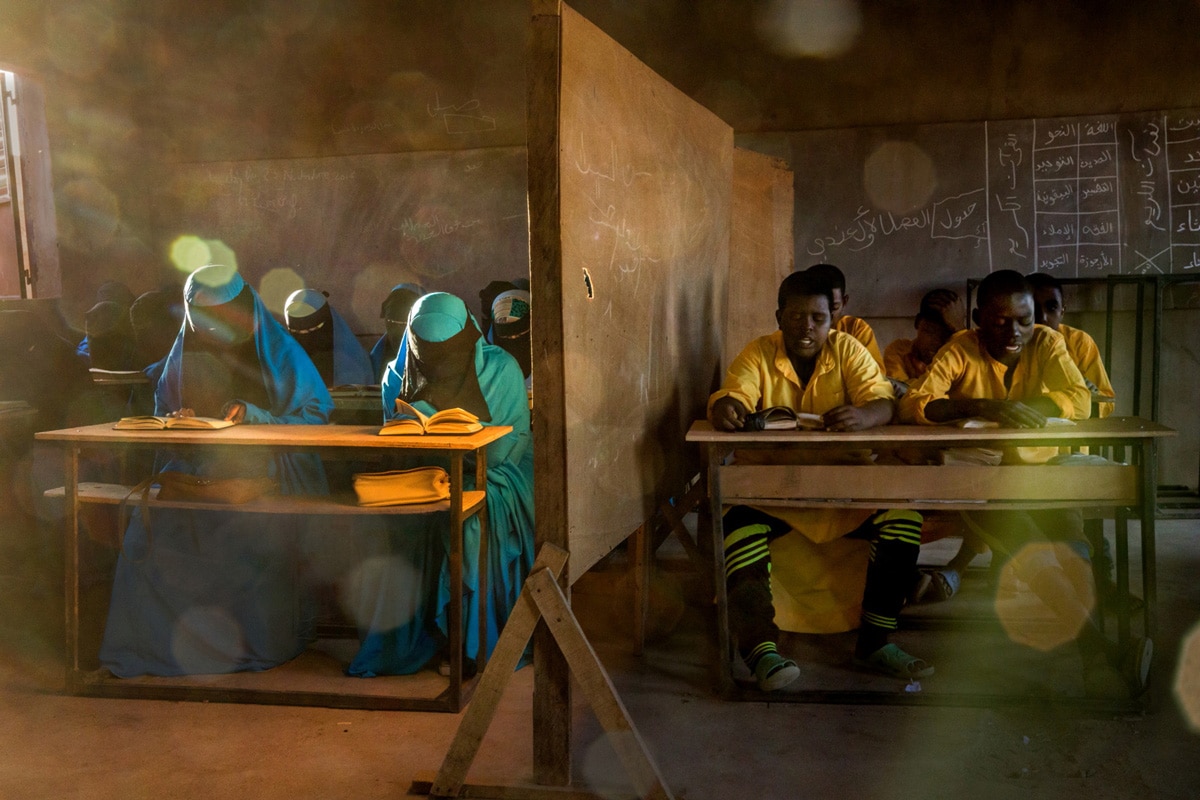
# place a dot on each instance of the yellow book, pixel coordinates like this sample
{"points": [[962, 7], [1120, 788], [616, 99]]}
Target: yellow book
{"points": [[152, 423], [412, 422]]}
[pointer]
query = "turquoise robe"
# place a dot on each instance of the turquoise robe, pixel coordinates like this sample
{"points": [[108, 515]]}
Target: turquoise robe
{"points": [[400, 596]]}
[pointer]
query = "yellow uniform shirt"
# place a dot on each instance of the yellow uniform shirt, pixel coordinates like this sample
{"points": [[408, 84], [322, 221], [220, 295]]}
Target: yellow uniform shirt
{"points": [[900, 364], [817, 578], [859, 329], [762, 376], [964, 370], [1086, 355]]}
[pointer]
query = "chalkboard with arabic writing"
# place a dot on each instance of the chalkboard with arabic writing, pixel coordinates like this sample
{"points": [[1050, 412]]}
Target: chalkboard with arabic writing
{"points": [[357, 225], [902, 210]]}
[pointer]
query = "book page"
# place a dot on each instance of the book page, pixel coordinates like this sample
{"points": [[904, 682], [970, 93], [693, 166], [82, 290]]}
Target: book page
{"points": [[141, 423], [808, 421], [198, 423], [453, 420], [404, 409], [404, 426]]}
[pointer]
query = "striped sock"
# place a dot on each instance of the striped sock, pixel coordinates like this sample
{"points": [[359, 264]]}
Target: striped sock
{"points": [[745, 548]]}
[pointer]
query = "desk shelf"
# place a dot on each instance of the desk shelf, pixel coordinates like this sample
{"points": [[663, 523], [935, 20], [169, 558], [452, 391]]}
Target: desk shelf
{"points": [[335, 504]]}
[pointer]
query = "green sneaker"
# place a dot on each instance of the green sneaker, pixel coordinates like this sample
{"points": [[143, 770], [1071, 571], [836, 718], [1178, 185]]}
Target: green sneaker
{"points": [[773, 672]]}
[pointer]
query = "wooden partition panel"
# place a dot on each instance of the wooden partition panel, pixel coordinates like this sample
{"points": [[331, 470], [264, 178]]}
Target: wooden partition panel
{"points": [[644, 206], [761, 252]]}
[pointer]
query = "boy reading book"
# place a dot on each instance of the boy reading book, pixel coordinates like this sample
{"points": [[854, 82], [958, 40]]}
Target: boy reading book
{"points": [[1018, 374], [807, 367]]}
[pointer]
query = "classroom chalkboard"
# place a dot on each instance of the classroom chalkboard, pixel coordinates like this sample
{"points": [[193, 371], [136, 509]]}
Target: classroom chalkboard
{"points": [[357, 225], [761, 250], [646, 177], [904, 209]]}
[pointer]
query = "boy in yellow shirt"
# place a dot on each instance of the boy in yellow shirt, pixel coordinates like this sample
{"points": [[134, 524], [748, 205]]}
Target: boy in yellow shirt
{"points": [[1017, 374], [843, 322], [939, 317], [809, 368], [1048, 310]]}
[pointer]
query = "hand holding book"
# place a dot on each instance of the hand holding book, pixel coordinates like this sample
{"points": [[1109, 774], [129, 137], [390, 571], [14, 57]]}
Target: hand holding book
{"points": [[780, 418]]}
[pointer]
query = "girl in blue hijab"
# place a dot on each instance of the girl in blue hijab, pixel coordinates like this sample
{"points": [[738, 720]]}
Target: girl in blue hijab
{"points": [[200, 592], [401, 597]]}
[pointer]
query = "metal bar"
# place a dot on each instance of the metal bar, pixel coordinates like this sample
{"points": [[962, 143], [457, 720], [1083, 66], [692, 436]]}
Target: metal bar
{"points": [[71, 568], [1138, 325], [716, 454], [455, 623], [1109, 297], [1156, 348]]}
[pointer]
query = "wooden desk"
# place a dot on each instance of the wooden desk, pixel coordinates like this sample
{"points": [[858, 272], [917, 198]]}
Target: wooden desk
{"points": [[315, 438], [969, 488]]}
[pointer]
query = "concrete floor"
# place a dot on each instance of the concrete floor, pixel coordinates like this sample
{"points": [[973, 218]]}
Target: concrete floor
{"points": [[58, 746]]}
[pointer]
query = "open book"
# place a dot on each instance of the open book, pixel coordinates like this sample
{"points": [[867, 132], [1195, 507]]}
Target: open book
{"points": [[152, 423], [412, 422], [782, 418], [978, 422]]}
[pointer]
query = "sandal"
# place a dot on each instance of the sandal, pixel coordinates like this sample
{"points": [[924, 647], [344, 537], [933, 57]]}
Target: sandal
{"points": [[774, 672], [890, 660], [945, 585]]}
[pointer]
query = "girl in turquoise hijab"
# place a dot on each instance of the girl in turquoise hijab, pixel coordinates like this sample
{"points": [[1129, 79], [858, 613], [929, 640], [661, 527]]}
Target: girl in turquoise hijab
{"points": [[400, 597]]}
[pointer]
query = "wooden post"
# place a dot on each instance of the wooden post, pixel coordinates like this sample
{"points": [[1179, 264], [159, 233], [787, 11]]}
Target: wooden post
{"points": [[551, 685]]}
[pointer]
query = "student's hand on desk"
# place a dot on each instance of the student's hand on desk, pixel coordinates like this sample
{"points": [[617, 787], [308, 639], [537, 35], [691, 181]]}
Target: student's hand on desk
{"points": [[727, 414], [1010, 413], [234, 411], [847, 418]]}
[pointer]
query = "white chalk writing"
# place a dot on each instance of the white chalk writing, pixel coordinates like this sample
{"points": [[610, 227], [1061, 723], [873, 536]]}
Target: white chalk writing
{"points": [[422, 231], [463, 118]]}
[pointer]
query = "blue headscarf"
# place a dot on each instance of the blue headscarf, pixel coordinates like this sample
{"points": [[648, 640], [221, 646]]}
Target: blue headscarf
{"points": [[442, 357], [294, 390]]}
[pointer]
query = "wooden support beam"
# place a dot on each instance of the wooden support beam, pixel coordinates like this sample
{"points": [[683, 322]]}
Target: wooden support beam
{"points": [[542, 600]]}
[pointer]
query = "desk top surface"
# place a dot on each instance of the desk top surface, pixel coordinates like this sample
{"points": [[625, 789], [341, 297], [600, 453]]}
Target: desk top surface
{"points": [[278, 436], [1107, 431]]}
